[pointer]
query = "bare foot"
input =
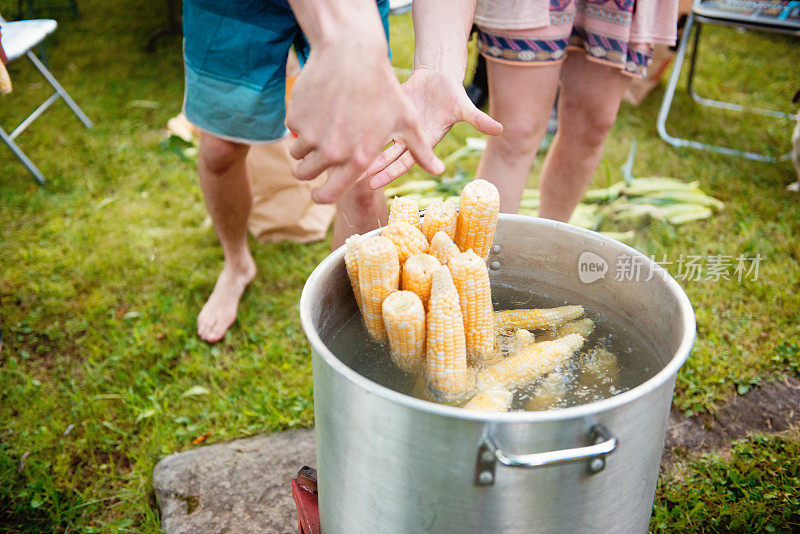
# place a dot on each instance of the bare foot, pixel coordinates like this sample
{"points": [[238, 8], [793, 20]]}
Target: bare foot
{"points": [[219, 311]]}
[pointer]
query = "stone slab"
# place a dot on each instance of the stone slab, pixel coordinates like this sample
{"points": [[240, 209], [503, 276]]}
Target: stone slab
{"points": [[239, 487]]}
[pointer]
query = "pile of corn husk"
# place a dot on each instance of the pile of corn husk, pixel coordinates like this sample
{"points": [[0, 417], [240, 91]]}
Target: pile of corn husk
{"points": [[628, 201]]}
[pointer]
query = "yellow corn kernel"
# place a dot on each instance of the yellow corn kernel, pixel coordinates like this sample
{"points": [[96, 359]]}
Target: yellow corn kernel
{"points": [[471, 279], [537, 319], [478, 210], [550, 393], [408, 239], [404, 210], [583, 327], [510, 342], [446, 352], [492, 400], [351, 263], [378, 276], [599, 374], [520, 340], [417, 275], [404, 319], [529, 364], [440, 216], [442, 247]]}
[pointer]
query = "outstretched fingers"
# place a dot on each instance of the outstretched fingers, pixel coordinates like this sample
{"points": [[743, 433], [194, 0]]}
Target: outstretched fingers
{"points": [[421, 148], [385, 158], [397, 169]]}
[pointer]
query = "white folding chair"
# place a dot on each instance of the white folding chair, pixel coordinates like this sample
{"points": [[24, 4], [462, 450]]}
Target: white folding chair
{"points": [[18, 38]]}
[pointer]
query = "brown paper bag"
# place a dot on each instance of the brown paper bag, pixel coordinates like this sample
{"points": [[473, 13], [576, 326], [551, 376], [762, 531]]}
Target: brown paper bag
{"points": [[282, 205]]}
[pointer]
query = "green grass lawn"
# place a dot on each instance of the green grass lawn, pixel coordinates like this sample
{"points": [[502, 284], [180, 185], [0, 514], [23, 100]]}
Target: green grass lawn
{"points": [[103, 271]]}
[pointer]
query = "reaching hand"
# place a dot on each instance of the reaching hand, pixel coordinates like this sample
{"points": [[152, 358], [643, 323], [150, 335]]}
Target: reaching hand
{"points": [[345, 104], [441, 102]]}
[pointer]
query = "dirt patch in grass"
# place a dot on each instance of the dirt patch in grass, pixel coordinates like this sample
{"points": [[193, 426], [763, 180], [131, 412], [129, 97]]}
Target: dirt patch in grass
{"points": [[772, 408]]}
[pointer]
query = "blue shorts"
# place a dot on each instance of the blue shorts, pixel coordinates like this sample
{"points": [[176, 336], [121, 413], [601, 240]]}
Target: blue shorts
{"points": [[235, 57]]}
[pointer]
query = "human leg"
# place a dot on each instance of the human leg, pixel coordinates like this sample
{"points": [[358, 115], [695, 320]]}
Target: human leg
{"points": [[223, 179], [360, 210], [587, 109], [521, 99], [235, 90]]}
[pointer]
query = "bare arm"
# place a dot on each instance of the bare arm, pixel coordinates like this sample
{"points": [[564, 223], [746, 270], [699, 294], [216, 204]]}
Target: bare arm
{"points": [[347, 102], [440, 60], [441, 34]]}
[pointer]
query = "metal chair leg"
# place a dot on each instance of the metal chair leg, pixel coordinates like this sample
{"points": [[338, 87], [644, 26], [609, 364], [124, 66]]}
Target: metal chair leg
{"points": [[693, 59], [60, 90], [37, 175], [720, 103], [666, 104]]}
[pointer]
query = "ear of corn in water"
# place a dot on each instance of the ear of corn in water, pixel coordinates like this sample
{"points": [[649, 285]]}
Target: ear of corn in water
{"points": [[430, 323]]}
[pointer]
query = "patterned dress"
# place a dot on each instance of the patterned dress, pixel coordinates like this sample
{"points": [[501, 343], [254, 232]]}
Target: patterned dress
{"points": [[618, 33]]}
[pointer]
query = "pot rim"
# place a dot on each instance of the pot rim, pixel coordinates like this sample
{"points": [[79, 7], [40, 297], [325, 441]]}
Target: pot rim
{"points": [[336, 259]]}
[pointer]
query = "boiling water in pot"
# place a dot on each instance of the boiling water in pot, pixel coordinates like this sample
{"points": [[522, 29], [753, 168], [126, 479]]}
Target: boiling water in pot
{"points": [[585, 379]]}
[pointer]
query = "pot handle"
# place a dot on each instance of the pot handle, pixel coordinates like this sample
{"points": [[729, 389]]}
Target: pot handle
{"points": [[489, 453]]}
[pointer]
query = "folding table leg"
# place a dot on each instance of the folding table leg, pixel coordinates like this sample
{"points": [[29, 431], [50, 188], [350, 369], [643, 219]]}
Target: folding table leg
{"points": [[38, 176], [60, 90]]}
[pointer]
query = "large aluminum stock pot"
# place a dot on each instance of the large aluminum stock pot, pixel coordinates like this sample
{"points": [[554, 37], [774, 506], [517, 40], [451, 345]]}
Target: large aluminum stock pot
{"points": [[390, 463]]}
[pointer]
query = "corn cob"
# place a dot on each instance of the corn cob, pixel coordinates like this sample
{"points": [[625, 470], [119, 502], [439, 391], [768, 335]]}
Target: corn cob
{"points": [[351, 263], [408, 239], [442, 247], [537, 319], [446, 361], [478, 210], [425, 203], [508, 343], [440, 216], [492, 400], [599, 373], [583, 327], [378, 276], [418, 274], [404, 210], [471, 279], [521, 339], [529, 364], [550, 393], [404, 318]]}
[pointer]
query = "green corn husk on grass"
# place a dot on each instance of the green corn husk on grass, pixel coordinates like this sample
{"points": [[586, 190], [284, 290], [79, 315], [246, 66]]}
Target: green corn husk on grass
{"points": [[529, 204], [604, 195], [676, 213], [472, 147], [586, 216], [697, 198], [631, 199], [625, 237], [409, 188], [627, 168]]}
